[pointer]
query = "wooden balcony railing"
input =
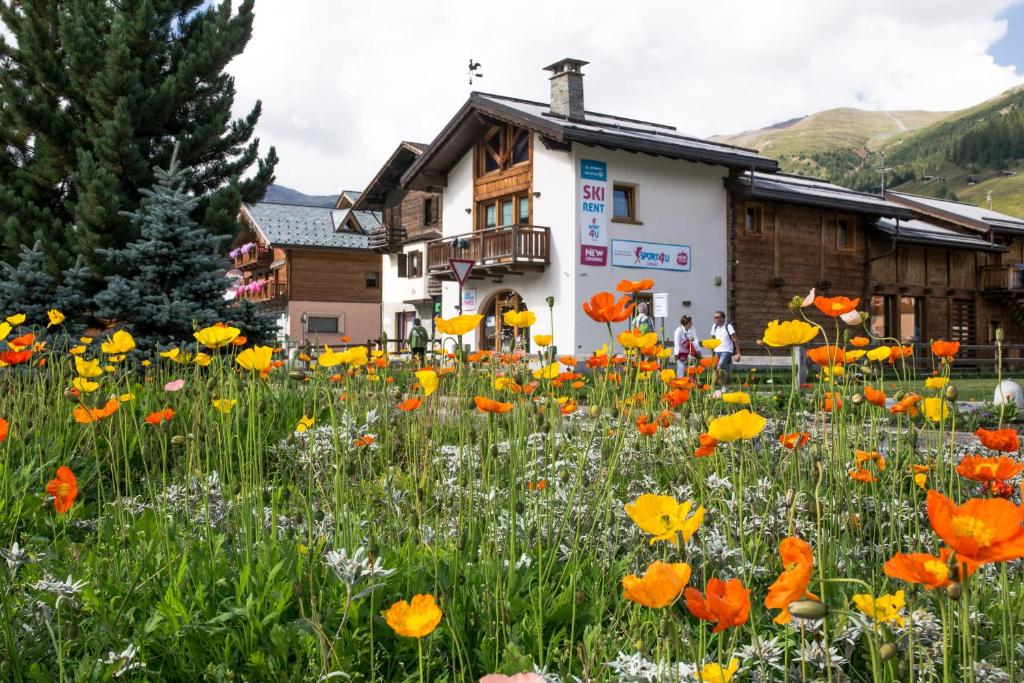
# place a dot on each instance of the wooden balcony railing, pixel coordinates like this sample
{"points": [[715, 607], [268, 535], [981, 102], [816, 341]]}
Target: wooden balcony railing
{"points": [[1004, 277], [506, 249], [271, 291], [259, 256], [387, 238]]}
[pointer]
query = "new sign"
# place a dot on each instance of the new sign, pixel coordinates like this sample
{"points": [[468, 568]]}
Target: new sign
{"points": [[653, 255], [592, 203]]}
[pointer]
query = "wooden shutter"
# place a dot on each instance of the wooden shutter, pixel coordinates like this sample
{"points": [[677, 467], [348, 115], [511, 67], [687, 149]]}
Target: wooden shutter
{"points": [[403, 265]]}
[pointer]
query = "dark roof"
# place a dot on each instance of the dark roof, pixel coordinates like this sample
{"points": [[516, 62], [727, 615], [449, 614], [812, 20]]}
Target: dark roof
{"points": [[813, 192], [290, 225], [918, 231], [968, 215], [389, 176], [601, 130]]}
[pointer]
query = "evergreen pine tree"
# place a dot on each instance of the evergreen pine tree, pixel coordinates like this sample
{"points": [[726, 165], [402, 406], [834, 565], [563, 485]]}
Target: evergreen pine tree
{"points": [[70, 297], [27, 288], [257, 326], [171, 279], [92, 95]]}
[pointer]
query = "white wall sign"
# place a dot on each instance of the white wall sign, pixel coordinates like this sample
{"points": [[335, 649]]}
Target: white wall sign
{"points": [[652, 255], [469, 301], [660, 304], [592, 203]]}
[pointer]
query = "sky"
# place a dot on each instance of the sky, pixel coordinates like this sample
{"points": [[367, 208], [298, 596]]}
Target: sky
{"points": [[343, 83]]}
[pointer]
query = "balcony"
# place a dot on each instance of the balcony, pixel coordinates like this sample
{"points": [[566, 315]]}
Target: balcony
{"points": [[1007, 277], [251, 255], [385, 239], [264, 291], [510, 249]]}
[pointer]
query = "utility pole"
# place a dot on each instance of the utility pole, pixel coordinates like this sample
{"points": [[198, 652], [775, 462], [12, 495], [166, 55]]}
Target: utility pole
{"points": [[882, 169]]}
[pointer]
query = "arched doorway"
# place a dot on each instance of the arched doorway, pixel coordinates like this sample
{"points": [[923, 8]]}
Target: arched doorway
{"points": [[494, 334]]}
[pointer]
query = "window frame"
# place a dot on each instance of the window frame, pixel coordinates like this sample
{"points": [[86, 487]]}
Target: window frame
{"points": [[415, 264], [851, 223], [338, 325], [428, 211], [507, 134], [403, 264], [632, 191], [758, 209], [375, 274], [496, 202]]}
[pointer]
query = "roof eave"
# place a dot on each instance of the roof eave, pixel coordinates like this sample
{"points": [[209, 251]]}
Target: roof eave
{"points": [[672, 151], [871, 209]]}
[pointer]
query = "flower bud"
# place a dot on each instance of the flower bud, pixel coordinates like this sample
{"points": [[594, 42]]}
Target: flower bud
{"points": [[954, 591], [951, 393], [866, 370], [808, 609], [177, 440], [550, 301], [796, 303], [857, 399], [72, 395], [887, 651], [898, 396], [298, 375], [595, 411]]}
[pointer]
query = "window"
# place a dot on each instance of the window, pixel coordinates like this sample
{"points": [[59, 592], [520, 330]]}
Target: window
{"points": [[624, 203], [428, 211], [321, 325], [372, 279], [880, 322], [752, 220], [403, 324], [502, 148], [961, 321], [993, 327], [403, 265], [511, 209], [844, 234], [911, 318], [415, 259]]}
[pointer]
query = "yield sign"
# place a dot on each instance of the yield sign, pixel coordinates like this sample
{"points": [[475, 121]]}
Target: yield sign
{"points": [[462, 267]]}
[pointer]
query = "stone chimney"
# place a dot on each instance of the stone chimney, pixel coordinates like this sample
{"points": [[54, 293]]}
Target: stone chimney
{"points": [[567, 88]]}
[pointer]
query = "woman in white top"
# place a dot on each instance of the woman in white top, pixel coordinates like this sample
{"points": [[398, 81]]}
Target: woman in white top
{"points": [[685, 345]]}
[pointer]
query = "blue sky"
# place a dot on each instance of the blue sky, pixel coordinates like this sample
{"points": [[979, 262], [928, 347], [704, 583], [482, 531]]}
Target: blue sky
{"points": [[1010, 50]]}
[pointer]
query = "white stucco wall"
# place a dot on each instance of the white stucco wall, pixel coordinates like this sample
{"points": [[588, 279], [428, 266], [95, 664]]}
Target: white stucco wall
{"points": [[396, 291]]}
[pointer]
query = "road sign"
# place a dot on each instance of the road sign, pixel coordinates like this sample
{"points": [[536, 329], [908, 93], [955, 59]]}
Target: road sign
{"points": [[461, 267]]}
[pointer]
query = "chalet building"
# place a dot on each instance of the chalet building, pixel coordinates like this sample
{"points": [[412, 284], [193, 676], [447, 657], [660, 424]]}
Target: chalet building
{"points": [[919, 276], [551, 200], [410, 219], [312, 268]]}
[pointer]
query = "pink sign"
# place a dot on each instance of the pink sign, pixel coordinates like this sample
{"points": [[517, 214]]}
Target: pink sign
{"points": [[591, 255]]}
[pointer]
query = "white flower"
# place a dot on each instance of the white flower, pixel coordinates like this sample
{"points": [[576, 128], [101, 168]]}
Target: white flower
{"points": [[356, 569], [124, 661], [15, 557], [68, 588]]}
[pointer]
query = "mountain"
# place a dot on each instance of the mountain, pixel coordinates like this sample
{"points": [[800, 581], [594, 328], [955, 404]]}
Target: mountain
{"points": [[972, 155], [279, 194]]}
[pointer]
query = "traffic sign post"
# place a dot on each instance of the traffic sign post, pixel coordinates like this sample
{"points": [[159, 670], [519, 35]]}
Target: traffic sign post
{"points": [[461, 268]]}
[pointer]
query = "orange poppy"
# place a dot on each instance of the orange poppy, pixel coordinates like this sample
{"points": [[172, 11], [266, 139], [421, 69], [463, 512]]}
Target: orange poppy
{"points": [[345, 339], [833, 402], [706, 362], [568, 408], [979, 468], [907, 405], [598, 360], [645, 426], [874, 396], [708, 444], [726, 604], [945, 349], [410, 404], [927, 570], [981, 530], [677, 397], [666, 418], [633, 286], [4, 430], [63, 488], [794, 440], [859, 342], [487, 405], [240, 340], [648, 365], [694, 370], [603, 308], [15, 357], [540, 485], [797, 568], [571, 361], [899, 352], [999, 439], [661, 584], [862, 475], [826, 355], [835, 306], [364, 440], [85, 415], [158, 416], [22, 342]]}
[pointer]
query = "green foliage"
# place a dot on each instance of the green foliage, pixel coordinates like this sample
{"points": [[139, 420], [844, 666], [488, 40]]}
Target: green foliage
{"points": [[93, 96]]}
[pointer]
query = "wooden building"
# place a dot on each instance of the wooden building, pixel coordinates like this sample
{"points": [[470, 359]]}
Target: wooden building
{"points": [[918, 278], [409, 220], [312, 268]]}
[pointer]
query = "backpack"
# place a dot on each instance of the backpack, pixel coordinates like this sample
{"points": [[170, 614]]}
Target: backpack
{"points": [[644, 323], [418, 337]]}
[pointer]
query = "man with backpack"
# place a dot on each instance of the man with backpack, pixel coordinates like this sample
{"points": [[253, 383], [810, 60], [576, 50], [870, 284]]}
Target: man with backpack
{"points": [[643, 320], [418, 339], [728, 350]]}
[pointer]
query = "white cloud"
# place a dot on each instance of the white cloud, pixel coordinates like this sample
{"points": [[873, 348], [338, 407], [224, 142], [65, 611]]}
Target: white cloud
{"points": [[342, 83]]}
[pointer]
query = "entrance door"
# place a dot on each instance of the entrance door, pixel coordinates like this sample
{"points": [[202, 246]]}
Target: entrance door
{"points": [[494, 334]]}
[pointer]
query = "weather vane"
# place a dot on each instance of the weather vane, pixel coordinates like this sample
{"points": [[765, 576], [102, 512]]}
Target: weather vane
{"points": [[474, 71]]}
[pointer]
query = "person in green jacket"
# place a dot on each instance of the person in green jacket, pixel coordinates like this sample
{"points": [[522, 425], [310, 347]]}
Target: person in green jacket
{"points": [[418, 339]]}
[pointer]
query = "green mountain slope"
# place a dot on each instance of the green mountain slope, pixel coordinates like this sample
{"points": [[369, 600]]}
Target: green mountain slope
{"points": [[973, 155]]}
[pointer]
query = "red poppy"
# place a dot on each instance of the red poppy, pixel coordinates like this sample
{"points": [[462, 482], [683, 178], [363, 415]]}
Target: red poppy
{"points": [[726, 604], [794, 440], [410, 404], [835, 306], [4, 430], [364, 440], [158, 416], [15, 357], [945, 349], [603, 308], [63, 488], [22, 342], [999, 439]]}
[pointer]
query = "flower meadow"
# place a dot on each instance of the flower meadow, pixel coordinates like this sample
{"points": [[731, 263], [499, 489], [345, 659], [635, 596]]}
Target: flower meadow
{"points": [[215, 512]]}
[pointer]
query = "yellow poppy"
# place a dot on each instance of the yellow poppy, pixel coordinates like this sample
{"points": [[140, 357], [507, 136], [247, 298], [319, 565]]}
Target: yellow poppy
{"points": [[428, 381], [667, 376], [936, 382], [543, 339], [548, 371], [5, 329], [711, 344], [305, 422], [714, 673], [854, 355], [125, 398], [414, 619], [224, 405], [935, 409], [357, 356], [663, 517], [740, 397], [84, 385], [202, 359], [120, 342], [459, 325], [86, 340], [789, 333], [329, 358], [216, 336], [884, 609], [55, 317], [87, 368], [256, 358], [741, 425], [880, 353], [16, 319], [519, 318], [633, 339]]}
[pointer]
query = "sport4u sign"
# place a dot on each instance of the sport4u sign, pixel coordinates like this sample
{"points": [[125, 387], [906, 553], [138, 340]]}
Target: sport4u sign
{"points": [[653, 255]]}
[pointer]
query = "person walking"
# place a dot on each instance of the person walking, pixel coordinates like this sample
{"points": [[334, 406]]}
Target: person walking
{"points": [[728, 350], [643, 321], [418, 339], [685, 345]]}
